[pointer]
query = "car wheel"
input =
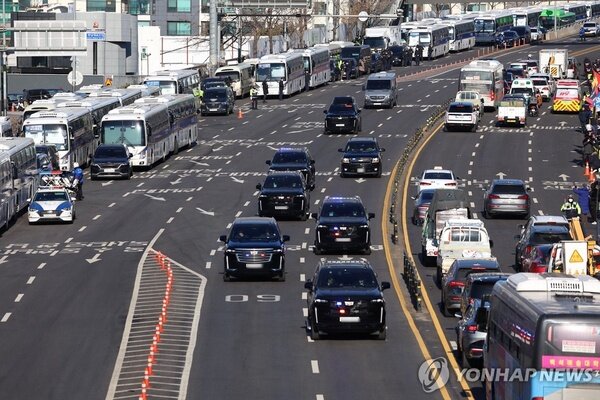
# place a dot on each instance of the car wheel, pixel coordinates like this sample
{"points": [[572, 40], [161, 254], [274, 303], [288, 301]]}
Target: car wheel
{"points": [[226, 277], [444, 309], [360, 126], [367, 250], [464, 360], [343, 175], [314, 331], [281, 277], [382, 334], [438, 276], [317, 251], [379, 173], [474, 128]]}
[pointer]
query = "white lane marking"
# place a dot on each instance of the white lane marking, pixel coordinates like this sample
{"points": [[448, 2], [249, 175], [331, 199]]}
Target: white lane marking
{"points": [[246, 204], [255, 193], [453, 345], [68, 240], [477, 144], [140, 184], [323, 190], [5, 317], [82, 228], [304, 245], [470, 193], [320, 396], [470, 162], [304, 295], [96, 217], [473, 154], [540, 212], [41, 266], [30, 280], [314, 366], [189, 199], [535, 200], [209, 179], [469, 172], [329, 179], [472, 205], [55, 252], [317, 201], [111, 205], [306, 231], [213, 252], [302, 260], [126, 194], [302, 278], [19, 297], [170, 220], [530, 169], [380, 125], [179, 210], [208, 264], [238, 214]]}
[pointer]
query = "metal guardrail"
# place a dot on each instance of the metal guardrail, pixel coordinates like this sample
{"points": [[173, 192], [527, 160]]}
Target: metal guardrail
{"points": [[411, 278]]}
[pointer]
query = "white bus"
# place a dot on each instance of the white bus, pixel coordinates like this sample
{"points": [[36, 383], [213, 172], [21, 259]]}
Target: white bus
{"points": [[174, 82], [435, 40], [529, 16], [146, 90], [70, 130], [98, 107], [274, 67], [143, 128], [183, 117], [316, 63], [125, 96], [335, 48], [486, 77], [240, 76], [19, 178], [49, 104], [461, 33]]}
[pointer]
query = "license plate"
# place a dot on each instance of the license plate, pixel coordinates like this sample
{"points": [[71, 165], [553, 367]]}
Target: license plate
{"points": [[349, 319], [109, 170], [343, 239], [340, 124], [281, 207], [376, 104], [48, 212], [360, 170], [254, 266], [213, 109]]}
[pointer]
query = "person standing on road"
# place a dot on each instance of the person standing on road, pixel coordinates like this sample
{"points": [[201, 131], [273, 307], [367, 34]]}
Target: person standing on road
{"points": [[418, 54], [254, 97], [348, 69], [78, 181], [306, 80], [281, 88], [265, 88], [570, 208]]}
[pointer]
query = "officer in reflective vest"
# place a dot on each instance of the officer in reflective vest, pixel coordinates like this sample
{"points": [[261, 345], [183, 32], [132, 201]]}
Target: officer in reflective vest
{"points": [[254, 97]]}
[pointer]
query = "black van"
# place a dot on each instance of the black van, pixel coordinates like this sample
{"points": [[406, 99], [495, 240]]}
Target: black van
{"points": [[362, 55]]}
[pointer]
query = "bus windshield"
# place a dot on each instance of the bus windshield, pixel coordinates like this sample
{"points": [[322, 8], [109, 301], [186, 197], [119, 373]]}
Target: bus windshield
{"points": [[306, 63], [166, 87], [130, 133], [451, 33], [55, 134], [270, 72], [485, 25], [234, 76], [414, 38]]}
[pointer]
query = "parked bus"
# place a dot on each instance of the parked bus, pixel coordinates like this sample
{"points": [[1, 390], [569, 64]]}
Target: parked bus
{"points": [[579, 9], [335, 49], [49, 104], [435, 40], [274, 67], [316, 63], [461, 33], [593, 8], [486, 77], [174, 82], [124, 96], [146, 90], [558, 16], [98, 107], [488, 25], [240, 76], [70, 130], [540, 324], [19, 178], [526, 16], [183, 117], [143, 128]]}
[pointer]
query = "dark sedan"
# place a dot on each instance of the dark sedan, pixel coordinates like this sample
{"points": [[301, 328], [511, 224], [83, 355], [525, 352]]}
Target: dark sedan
{"points": [[422, 202], [343, 117], [284, 194], [111, 161], [345, 297], [362, 156], [401, 56], [511, 38]]}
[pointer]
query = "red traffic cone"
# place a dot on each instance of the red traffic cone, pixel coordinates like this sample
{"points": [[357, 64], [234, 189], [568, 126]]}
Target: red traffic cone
{"points": [[586, 171], [240, 113]]}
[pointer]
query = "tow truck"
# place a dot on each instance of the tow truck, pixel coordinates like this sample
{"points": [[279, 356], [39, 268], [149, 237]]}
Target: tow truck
{"points": [[580, 256]]}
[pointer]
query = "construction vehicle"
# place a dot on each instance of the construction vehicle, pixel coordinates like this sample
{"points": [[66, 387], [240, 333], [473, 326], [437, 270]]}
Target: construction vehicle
{"points": [[580, 256]]}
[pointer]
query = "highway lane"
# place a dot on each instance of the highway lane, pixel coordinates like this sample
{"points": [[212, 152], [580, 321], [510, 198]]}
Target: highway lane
{"points": [[544, 154]]}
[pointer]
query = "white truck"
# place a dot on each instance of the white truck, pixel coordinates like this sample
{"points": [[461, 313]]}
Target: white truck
{"points": [[554, 62], [446, 204], [512, 110], [382, 37], [461, 238]]}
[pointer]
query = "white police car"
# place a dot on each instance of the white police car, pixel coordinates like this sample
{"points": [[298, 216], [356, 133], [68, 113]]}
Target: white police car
{"points": [[51, 203]]}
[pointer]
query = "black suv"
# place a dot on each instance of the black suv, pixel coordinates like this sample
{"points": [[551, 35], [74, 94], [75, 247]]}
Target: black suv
{"points": [[254, 247], [217, 100], [345, 297], [362, 156], [111, 161], [343, 116], [284, 194], [342, 225], [294, 159]]}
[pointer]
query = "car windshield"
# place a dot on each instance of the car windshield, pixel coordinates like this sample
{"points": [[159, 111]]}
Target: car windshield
{"points": [[288, 157], [426, 195], [480, 289], [346, 278], [361, 147], [219, 95], [340, 108], [508, 189], [333, 209], [378, 84], [512, 103], [286, 181], [462, 108], [110, 152], [527, 91], [437, 175], [548, 237], [539, 82], [254, 233], [51, 196]]}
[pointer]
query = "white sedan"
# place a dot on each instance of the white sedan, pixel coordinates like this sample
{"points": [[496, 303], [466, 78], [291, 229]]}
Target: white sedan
{"points": [[437, 178], [51, 204]]}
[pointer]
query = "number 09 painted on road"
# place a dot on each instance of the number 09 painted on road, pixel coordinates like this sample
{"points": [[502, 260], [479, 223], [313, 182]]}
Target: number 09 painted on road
{"points": [[260, 298]]}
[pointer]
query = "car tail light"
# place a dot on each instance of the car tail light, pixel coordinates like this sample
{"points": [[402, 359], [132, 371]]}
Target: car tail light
{"points": [[493, 197], [450, 184], [456, 284], [537, 398], [523, 197], [425, 183], [471, 328], [492, 95], [527, 249]]}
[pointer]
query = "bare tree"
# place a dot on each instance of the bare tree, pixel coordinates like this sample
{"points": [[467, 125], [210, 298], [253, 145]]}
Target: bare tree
{"points": [[371, 7]]}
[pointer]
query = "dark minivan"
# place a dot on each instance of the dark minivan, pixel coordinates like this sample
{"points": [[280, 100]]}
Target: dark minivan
{"points": [[111, 161], [362, 55]]}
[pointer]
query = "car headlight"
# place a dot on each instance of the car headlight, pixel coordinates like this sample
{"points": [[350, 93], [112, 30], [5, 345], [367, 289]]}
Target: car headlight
{"points": [[345, 160], [321, 301], [375, 160], [321, 226], [365, 226], [229, 251]]}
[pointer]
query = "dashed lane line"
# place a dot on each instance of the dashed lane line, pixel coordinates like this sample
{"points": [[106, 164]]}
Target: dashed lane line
{"points": [[30, 280], [111, 205], [314, 366], [19, 297], [5, 317]]}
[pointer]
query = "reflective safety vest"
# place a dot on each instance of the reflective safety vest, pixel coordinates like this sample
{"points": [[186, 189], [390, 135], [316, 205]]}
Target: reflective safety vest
{"points": [[253, 93]]}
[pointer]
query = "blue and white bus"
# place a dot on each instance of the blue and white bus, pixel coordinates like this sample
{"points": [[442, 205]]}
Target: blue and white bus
{"points": [[435, 40], [490, 24], [183, 117], [461, 33], [529, 16], [70, 130], [579, 9], [593, 8], [316, 63], [175, 82], [124, 96], [274, 67], [145, 130], [98, 106], [19, 176], [547, 327]]}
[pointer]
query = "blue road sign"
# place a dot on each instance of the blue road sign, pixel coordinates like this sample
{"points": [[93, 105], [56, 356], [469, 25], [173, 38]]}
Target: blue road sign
{"points": [[96, 36]]}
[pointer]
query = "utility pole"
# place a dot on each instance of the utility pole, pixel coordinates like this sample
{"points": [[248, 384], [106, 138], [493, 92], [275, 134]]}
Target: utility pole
{"points": [[213, 37]]}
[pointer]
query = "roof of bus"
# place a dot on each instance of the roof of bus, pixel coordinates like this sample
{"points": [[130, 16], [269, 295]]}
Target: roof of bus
{"points": [[89, 102], [14, 143], [164, 99], [310, 51], [233, 67], [279, 57], [63, 113], [134, 111], [116, 92]]}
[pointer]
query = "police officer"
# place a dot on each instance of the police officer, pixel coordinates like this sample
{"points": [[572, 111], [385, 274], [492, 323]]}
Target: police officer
{"points": [[348, 69], [265, 88], [78, 180], [339, 65], [306, 80], [570, 208], [386, 56], [281, 85], [418, 54], [254, 97]]}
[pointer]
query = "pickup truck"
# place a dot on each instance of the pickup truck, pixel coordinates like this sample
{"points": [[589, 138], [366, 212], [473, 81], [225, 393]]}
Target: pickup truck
{"points": [[461, 239], [512, 110], [461, 115]]}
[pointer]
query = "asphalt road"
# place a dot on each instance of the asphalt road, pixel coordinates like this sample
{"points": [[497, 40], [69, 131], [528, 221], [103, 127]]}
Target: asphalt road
{"points": [[66, 290]]}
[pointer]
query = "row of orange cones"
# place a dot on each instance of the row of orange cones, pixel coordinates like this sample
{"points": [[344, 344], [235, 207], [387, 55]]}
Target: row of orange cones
{"points": [[588, 173]]}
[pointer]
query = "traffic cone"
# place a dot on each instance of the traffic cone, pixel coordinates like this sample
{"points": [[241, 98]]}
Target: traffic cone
{"points": [[591, 177], [586, 171], [240, 114]]}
